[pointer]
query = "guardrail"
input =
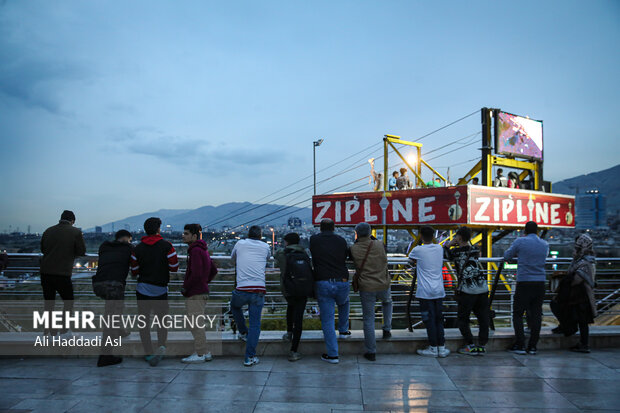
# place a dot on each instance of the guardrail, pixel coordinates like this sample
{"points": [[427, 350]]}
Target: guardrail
{"points": [[20, 281]]}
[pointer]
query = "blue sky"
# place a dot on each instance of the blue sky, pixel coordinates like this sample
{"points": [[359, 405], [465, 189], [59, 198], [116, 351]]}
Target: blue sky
{"points": [[113, 109]]}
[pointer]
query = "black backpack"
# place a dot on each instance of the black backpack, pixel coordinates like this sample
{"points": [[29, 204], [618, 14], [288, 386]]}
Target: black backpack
{"points": [[298, 279]]}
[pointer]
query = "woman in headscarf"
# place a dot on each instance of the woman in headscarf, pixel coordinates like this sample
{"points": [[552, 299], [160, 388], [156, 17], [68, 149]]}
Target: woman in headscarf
{"points": [[582, 276], [513, 180]]}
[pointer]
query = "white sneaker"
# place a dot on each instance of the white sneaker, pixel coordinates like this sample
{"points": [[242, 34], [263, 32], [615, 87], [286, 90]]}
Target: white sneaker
{"points": [[430, 351], [195, 358], [250, 361], [442, 351]]}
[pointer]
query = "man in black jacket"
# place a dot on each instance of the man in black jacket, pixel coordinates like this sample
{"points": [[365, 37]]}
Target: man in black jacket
{"points": [[153, 260], [329, 255], [109, 284]]}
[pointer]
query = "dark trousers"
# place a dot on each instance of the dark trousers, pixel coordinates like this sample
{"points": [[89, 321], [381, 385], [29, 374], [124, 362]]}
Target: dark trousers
{"points": [[295, 318], [60, 284], [479, 304], [582, 322], [432, 315], [159, 306], [113, 292], [529, 299]]}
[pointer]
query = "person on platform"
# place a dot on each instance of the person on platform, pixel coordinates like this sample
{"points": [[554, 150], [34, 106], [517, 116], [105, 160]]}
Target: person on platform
{"points": [[199, 273], [250, 257], [531, 254], [500, 179], [475, 181], [329, 254], [428, 259], [403, 181], [435, 183], [471, 291], [392, 181], [61, 244], [513, 180], [576, 305], [373, 282], [296, 284], [109, 283], [152, 262]]}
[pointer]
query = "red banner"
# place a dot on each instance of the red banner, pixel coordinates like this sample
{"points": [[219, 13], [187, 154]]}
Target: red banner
{"points": [[514, 207], [431, 206], [474, 205]]}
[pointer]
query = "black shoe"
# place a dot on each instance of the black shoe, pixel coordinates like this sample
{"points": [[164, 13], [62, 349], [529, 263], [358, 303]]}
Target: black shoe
{"points": [[329, 359], [557, 330], [344, 334], [531, 351], [387, 334], [580, 348], [370, 356], [517, 350], [108, 360]]}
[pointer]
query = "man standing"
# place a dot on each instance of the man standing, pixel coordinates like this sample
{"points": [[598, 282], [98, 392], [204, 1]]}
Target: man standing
{"points": [[531, 253], [403, 181], [430, 291], [373, 281], [152, 262], [471, 292], [296, 284], [500, 179], [109, 284], [60, 245], [329, 254], [250, 257], [198, 274]]}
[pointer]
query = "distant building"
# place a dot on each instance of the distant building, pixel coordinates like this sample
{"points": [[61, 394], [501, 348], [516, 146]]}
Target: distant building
{"points": [[591, 210], [294, 222], [98, 230]]}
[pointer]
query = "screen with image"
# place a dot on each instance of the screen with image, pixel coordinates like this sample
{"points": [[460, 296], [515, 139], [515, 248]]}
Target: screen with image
{"points": [[519, 136]]}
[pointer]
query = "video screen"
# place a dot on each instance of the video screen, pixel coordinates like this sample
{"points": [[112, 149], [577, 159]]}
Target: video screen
{"points": [[519, 136]]}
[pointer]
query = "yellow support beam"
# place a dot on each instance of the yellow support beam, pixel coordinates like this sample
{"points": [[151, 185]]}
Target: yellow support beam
{"points": [[472, 172], [392, 138], [406, 163], [513, 163], [434, 171]]}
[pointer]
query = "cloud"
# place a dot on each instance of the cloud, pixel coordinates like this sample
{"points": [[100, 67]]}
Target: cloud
{"points": [[198, 154]]}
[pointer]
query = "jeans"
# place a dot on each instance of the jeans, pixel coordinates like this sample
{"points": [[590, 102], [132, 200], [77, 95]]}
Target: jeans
{"points": [[195, 306], [61, 284], [432, 315], [255, 302], [113, 292], [479, 304], [328, 294], [528, 298], [369, 298], [295, 318], [159, 306]]}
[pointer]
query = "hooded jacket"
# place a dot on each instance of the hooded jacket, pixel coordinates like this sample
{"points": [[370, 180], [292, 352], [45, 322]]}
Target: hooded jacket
{"points": [[60, 245], [200, 269], [374, 276], [153, 260]]}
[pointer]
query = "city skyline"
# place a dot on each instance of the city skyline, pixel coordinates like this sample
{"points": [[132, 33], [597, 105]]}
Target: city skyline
{"points": [[114, 109]]}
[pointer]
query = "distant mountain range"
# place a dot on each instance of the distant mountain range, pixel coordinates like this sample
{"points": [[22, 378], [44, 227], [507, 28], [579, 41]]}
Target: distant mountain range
{"points": [[230, 214], [605, 181]]}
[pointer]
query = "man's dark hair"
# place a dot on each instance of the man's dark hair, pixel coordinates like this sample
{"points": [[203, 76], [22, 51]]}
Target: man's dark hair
{"points": [[403, 171], [394, 173], [255, 232], [292, 238], [531, 228], [464, 233], [438, 179], [427, 234], [194, 229], [327, 225], [152, 225], [500, 171], [67, 215], [122, 233], [475, 179]]}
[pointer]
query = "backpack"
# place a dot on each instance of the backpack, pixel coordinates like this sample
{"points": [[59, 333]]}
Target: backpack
{"points": [[298, 279]]}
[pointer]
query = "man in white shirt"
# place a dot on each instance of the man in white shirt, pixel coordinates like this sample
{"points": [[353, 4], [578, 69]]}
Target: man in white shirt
{"points": [[250, 257], [428, 259]]}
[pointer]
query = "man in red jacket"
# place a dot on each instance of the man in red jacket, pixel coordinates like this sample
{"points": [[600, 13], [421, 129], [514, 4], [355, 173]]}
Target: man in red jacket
{"points": [[199, 273]]}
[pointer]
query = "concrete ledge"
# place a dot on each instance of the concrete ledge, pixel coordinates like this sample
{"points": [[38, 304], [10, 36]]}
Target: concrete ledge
{"points": [[271, 343]]}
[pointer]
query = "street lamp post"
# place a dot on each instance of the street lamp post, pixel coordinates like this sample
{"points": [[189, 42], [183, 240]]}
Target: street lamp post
{"points": [[314, 145]]}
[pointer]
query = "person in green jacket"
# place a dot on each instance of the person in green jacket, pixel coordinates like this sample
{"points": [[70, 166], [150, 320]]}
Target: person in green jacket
{"points": [[296, 301]]}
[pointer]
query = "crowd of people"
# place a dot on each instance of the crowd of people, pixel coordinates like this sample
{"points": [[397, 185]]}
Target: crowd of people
{"points": [[319, 273]]}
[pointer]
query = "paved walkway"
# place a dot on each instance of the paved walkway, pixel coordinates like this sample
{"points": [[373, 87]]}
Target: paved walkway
{"points": [[499, 382]]}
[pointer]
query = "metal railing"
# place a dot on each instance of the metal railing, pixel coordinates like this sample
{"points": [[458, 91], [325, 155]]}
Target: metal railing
{"points": [[20, 281]]}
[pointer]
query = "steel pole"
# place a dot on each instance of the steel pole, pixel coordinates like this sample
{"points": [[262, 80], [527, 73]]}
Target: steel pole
{"points": [[314, 164]]}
